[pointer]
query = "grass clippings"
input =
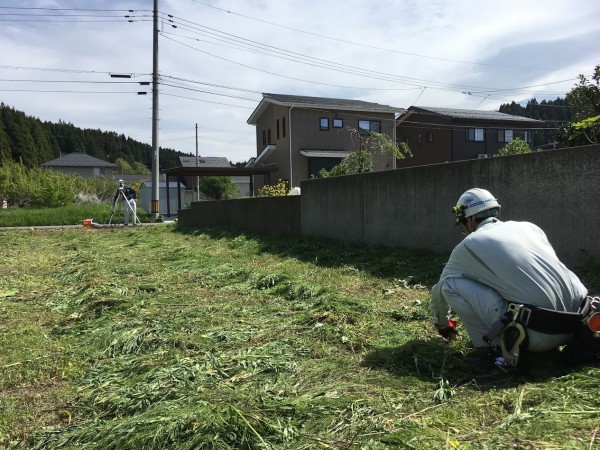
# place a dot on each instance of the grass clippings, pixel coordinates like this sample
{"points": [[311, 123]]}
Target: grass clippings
{"points": [[157, 337]]}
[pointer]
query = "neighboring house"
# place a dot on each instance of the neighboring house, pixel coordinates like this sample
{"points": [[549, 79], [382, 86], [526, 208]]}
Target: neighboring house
{"points": [[437, 135], [81, 164], [302, 135], [242, 183]]}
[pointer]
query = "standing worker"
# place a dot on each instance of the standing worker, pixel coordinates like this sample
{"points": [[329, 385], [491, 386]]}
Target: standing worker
{"points": [[506, 284], [129, 196]]}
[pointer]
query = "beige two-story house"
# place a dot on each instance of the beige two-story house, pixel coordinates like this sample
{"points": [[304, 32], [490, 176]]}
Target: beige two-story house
{"points": [[302, 135]]}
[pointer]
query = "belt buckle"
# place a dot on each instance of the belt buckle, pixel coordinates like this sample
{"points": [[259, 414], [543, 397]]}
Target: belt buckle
{"points": [[520, 312]]}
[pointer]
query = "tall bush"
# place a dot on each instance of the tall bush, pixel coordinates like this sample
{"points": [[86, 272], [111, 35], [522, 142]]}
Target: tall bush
{"points": [[515, 147], [45, 188], [219, 188]]}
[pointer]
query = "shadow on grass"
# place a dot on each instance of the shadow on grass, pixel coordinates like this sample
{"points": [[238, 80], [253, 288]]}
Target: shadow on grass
{"points": [[415, 266], [433, 360]]}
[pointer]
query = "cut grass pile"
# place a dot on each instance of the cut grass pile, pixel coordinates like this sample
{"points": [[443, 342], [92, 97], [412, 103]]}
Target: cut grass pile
{"points": [[159, 338]]}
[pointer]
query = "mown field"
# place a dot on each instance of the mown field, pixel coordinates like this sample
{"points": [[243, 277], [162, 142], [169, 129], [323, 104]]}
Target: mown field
{"points": [[161, 338]]}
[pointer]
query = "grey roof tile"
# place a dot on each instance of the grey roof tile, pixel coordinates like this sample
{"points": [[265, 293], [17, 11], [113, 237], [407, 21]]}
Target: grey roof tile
{"points": [[336, 103], [78, 160], [204, 161], [472, 114]]}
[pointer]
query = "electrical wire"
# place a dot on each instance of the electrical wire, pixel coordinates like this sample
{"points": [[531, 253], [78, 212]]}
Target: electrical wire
{"points": [[370, 46], [254, 46]]}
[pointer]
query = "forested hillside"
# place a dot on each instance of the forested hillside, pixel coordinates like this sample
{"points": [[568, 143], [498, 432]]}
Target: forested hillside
{"points": [[553, 113], [28, 139]]}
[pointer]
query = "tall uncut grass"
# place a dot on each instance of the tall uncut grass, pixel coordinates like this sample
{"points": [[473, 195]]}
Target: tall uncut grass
{"points": [[158, 337], [65, 215]]}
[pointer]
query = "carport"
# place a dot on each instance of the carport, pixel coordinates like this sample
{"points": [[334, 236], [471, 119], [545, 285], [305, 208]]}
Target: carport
{"points": [[180, 172]]}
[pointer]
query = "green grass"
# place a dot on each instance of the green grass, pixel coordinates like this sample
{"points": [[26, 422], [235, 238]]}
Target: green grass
{"points": [[157, 337], [66, 215]]}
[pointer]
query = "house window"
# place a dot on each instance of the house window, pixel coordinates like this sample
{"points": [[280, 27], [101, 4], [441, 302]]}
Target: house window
{"points": [[475, 134], [419, 139], [264, 137], [337, 123], [269, 136], [277, 129], [283, 126], [505, 135], [528, 136], [429, 137], [369, 126], [316, 164], [324, 123]]}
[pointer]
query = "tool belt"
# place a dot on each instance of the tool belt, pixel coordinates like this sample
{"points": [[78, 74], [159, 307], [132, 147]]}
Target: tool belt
{"points": [[535, 318], [546, 320]]}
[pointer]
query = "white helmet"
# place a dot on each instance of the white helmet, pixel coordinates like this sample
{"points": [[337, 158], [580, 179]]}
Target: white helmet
{"points": [[474, 201], [121, 182]]}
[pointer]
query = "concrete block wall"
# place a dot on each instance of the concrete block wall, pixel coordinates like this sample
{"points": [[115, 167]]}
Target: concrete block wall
{"points": [[279, 215], [558, 190]]}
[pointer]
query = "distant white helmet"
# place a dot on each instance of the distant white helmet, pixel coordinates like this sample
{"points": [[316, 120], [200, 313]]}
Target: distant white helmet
{"points": [[121, 182], [474, 201]]}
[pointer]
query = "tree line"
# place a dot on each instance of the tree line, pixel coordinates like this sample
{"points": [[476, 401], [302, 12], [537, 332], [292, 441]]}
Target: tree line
{"points": [[572, 121], [554, 113], [30, 141]]}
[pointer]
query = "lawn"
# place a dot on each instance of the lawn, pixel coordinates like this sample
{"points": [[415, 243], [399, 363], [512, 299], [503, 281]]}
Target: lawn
{"points": [[157, 337]]}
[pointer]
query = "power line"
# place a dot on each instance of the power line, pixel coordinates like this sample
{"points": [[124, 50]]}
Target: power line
{"points": [[46, 69], [70, 9], [67, 81], [205, 101], [68, 91], [207, 92], [367, 45], [249, 45], [306, 59]]}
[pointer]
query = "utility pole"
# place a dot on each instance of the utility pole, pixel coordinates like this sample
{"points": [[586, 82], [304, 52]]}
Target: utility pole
{"points": [[155, 146], [197, 178]]}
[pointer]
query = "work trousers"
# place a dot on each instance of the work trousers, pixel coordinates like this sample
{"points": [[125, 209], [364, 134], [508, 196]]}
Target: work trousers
{"points": [[479, 306], [132, 208]]}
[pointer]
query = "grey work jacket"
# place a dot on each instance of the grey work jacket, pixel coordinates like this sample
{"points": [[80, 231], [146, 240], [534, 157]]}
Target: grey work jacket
{"points": [[517, 261]]}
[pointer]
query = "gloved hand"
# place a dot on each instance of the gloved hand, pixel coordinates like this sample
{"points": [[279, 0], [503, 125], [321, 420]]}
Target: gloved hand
{"points": [[448, 331]]}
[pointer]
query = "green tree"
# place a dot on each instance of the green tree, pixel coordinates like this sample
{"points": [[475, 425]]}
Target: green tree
{"points": [[515, 147], [218, 188], [585, 98], [361, 160], [140, 168], [124, 166], [586, 131], [5, 153]]}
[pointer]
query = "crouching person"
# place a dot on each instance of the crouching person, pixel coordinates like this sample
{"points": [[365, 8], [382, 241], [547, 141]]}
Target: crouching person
{"points": [[506, 284]]}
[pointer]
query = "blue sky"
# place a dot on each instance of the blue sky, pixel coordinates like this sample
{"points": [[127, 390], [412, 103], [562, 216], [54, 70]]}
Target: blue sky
{"points": [[224, 53]]}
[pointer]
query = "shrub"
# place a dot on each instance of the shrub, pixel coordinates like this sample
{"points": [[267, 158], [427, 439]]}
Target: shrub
{"points": [[515, 147], [274, 190], [219, 188]]}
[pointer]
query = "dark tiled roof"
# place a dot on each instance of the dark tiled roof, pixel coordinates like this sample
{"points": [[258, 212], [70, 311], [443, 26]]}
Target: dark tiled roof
{"points": [[204, 161], [78, 160], [472, 114], [300, 101], [336, 103]]}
